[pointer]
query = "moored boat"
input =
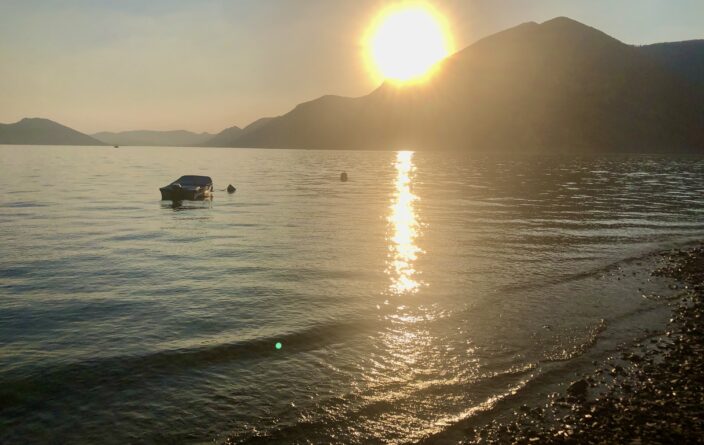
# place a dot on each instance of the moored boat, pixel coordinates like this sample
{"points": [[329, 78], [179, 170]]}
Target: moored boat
{"points": [[188, 188]]}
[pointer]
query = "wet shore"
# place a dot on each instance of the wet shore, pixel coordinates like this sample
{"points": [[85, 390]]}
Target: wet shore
{"points": [[652, 393]]}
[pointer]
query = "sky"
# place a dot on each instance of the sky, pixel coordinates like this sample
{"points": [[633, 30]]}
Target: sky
{"points": [[98, 65]]}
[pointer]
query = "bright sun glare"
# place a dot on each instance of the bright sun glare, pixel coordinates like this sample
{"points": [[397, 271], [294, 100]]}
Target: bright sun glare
{"points": [[406, 42]]}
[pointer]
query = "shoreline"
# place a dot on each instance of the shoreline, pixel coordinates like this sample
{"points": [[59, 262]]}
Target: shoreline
{"points": [[652, 392]]}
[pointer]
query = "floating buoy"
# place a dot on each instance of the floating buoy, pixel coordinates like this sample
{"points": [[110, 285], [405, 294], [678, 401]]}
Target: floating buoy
{"points": [[231, 188], [343, 177]]}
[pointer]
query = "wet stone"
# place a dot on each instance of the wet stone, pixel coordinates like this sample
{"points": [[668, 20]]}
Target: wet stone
{"points": [[655, 397], [578, 389]]}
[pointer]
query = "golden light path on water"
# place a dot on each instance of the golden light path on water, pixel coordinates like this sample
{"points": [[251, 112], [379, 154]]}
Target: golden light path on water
{"points": [[405, 228]]}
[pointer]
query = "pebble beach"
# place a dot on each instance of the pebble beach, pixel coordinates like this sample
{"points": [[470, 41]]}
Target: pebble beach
{"points": [[652, 393]]}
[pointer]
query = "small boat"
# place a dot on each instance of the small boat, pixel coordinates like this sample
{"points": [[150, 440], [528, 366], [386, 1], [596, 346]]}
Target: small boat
{"points": [[116, 146], [188, 188]]}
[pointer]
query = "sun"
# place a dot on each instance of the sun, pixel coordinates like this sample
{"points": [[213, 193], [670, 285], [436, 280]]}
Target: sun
{"points": [[405, 42]]}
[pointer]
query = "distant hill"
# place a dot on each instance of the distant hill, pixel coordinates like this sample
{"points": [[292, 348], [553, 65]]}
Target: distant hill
{"points": [[225, 137], [559, 86], [228, 136], [686, 58], [174, 138], [37, 131]]}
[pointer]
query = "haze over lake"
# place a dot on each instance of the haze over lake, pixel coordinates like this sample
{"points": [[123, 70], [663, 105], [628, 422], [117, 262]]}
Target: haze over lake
{"points": [[427, 288]]}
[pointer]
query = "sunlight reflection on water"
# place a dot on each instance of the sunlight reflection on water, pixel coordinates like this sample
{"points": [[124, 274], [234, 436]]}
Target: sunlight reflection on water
{"points": [[173, 316], [404, 229]]}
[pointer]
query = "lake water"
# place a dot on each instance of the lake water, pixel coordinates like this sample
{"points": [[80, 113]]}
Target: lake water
{"points": [[426, 290]]}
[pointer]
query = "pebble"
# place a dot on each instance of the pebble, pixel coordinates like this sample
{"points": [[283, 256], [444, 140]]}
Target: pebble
{"points": [[656, 396]]}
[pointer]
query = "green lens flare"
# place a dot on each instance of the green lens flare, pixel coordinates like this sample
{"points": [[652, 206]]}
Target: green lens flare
{"points": [[278, 345]]}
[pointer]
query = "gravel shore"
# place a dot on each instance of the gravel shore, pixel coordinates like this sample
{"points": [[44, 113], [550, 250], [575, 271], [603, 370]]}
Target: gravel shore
{"points": [[652, 394]]}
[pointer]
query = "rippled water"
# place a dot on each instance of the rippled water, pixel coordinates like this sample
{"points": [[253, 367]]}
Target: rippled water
{"points": [[429, 288]]}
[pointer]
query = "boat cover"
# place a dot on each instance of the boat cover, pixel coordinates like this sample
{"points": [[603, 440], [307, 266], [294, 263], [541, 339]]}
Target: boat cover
{"points": [[191, 180]]}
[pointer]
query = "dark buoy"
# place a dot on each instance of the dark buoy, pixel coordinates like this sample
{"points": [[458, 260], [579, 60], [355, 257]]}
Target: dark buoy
{"points": [[343, 176], [231, 188]]}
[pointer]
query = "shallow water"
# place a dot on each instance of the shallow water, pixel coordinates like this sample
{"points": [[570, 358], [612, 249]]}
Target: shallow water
{"points": [[420, 292]]}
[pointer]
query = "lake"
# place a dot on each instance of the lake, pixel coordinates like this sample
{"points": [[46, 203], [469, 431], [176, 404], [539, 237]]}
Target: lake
{"points": [[430, 288]]}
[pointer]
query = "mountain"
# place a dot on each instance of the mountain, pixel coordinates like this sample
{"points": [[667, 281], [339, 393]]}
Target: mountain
{"points": [[228, 136], [37, 131], [686, 58], [225, 137], [173, 138], [559, 86]]}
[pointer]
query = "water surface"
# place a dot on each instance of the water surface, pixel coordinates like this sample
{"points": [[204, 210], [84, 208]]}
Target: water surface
{"points": [[426, 289]]}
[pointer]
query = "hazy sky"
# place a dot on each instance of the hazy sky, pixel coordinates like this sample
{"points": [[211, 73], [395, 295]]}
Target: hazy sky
{"points": [[205, 65]]}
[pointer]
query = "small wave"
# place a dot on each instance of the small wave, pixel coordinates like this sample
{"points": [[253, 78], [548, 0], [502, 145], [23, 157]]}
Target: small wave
{"points": [[22, 204], [578, 348], [119, 370], [591, 273], [142, 236], [359, 408], [487, 405]]}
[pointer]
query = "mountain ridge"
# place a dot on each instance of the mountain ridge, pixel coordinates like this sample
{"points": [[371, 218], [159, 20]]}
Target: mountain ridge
{"points": [[162, 138], [684, 57], [554, 86], [41, 131], [222, 139], [535, 87]]}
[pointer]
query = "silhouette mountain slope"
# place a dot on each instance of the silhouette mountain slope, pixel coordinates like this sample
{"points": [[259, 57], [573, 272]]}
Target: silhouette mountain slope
{"points": [[686, 58], [171, 138], [224, 138], [557, 86], [38, 131]]}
